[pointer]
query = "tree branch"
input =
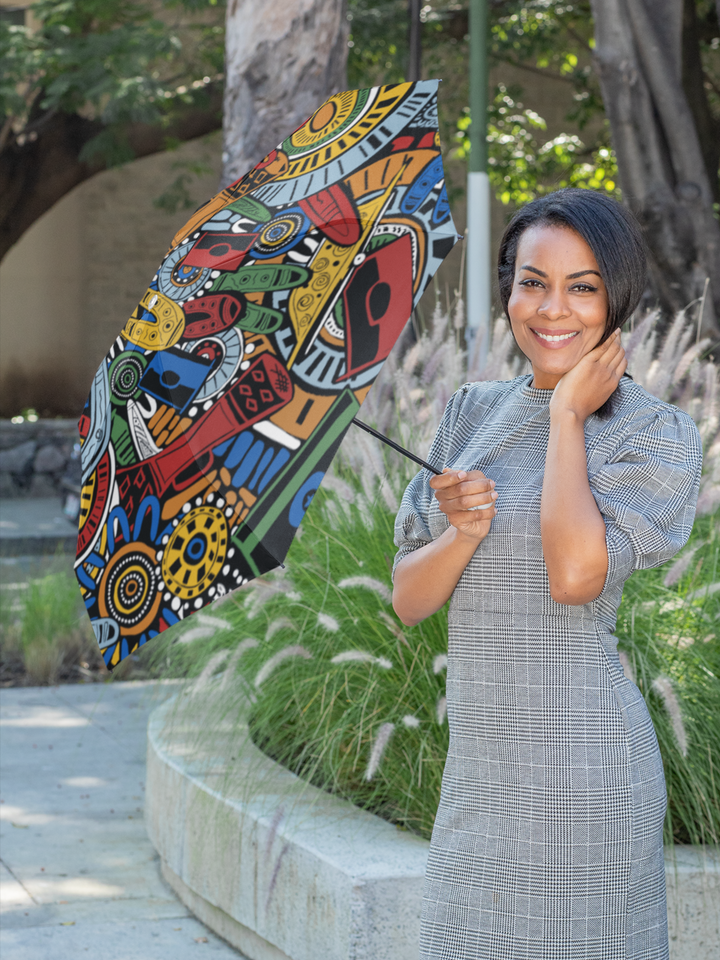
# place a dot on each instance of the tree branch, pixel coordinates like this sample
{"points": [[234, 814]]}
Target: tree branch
{"points": [[38, 172], [550, 74]]}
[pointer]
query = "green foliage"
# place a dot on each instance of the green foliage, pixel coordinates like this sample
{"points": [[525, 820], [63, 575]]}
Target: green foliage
{"points": [[114, 61], [321, 718], [45, 636], [520, 168], [50, 606], [674, 632], [176, 195], [377, 43]]}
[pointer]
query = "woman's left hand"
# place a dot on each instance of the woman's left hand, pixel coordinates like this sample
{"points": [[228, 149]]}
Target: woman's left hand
{"points": [[592, 380]]}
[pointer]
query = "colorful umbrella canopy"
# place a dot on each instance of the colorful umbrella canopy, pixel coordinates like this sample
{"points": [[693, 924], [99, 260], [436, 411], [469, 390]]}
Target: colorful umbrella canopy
{"points": [[218, 409]]}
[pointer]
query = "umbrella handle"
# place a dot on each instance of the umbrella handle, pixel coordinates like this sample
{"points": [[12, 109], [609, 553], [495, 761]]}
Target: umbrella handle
{"points": [[396, 446]]}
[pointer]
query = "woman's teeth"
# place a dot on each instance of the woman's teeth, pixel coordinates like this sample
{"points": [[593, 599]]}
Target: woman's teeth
{"points": [[554, 338]]}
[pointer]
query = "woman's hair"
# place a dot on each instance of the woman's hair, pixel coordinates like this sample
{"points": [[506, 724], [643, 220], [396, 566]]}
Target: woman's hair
{"points": [[609, 229]]}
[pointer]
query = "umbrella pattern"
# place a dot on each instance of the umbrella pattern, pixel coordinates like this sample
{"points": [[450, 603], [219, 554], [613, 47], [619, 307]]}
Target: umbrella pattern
{"points": [[216, 412]]}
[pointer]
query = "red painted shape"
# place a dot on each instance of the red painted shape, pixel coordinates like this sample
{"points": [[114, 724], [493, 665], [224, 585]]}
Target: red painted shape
{"points": [[83, 426], [427, 141], [377, 304], [208, 315], [402, 143], [263, 389], [220, 251], [97, 509], [333, 211]]}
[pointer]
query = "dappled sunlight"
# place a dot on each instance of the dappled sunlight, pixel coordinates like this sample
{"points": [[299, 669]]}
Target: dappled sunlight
{"points": [[52, 719], [20, 818], [50, 890], [85, 782]]}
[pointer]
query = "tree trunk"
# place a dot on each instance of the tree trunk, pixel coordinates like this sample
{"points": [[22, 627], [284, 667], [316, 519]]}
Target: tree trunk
{"points": [[664, 179], [283, 59]]}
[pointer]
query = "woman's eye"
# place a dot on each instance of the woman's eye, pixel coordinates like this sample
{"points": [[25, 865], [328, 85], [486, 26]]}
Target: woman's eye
{"points": [[530, 283], [584, 288]]}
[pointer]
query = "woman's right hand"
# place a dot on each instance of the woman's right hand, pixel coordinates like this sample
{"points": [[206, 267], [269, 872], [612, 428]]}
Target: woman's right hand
{"points": [[459, 493], [426, 578]]}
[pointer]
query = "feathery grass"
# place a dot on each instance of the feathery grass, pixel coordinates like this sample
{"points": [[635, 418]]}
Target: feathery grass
{"points": [[354, 701]]}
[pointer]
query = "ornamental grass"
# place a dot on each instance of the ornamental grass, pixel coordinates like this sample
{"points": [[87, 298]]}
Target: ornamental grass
{"points": [[339, 691]]}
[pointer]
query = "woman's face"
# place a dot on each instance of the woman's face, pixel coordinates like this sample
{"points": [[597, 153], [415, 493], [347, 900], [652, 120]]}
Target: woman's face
{"points": [[558, 306]]}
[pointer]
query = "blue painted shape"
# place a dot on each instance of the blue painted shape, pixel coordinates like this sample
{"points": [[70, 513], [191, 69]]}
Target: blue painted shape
{"points": [[419, 190], [174, 377], [280, 460], [84, 578], [153, 504], [266, 458], [303, 498], [94, 560], [117, 513], [221, 448], [124, 649], [441, 213], [248, 464], [242, 445], [168, 616], [107, 655]]}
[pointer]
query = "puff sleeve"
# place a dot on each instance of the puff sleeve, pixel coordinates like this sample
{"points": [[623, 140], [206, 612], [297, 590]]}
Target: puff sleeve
{"points": [[412, 529], [647, 489]]}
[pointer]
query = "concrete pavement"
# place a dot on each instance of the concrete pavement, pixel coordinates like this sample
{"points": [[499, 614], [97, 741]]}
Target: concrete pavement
{"points": [[35, 525], [77, 871]]}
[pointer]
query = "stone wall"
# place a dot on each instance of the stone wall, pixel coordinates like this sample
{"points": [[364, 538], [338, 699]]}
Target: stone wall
{"points": [[38, 459]]}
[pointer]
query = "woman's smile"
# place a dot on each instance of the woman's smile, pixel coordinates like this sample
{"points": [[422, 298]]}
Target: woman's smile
{"points": [[554, 339], [559, 304]]}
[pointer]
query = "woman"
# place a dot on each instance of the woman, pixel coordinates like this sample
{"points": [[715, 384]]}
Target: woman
{"points": [[557, 485]]}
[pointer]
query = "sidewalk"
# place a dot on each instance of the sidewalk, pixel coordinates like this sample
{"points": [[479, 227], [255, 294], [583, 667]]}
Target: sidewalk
{"points": [[35, 526], [78, 873]]}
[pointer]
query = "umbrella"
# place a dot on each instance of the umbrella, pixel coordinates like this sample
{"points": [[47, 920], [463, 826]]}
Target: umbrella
{"points": [[216, 412]]}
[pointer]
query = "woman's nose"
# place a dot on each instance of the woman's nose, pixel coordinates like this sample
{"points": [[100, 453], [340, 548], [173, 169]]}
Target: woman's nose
{"points": [[554, 306]]}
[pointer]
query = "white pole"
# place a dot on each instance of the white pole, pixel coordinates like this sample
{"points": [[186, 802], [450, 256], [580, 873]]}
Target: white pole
{"points": [[477, 266]]}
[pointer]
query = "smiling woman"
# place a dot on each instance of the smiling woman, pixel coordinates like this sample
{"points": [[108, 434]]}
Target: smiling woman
{"points": [[548, 838]]}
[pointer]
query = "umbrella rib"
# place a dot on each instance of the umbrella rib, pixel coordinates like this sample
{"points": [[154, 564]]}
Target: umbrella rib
{"points": [[396, 446]]}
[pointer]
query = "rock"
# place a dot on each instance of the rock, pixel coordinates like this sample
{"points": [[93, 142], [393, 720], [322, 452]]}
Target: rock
{"points": [[18, 459], [42, 485], [7, 487], [49, 460]]}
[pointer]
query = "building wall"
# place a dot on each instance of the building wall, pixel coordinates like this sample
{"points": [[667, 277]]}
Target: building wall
{"points": [[71, 282]]}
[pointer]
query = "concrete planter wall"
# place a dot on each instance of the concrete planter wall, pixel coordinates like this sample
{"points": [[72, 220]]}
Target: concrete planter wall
{"points": [[284, 871]]}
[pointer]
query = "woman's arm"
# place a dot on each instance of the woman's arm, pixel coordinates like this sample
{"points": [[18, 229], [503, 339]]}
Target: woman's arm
{"points": [[426, 578], [572, 527]]}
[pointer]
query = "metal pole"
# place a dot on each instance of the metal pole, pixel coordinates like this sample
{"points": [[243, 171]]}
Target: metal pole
{"points": [[414, 40], [478, 286]]}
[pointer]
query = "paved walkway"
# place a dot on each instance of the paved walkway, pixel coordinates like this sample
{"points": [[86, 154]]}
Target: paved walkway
{"points": [[77, 872], [35, 525]]}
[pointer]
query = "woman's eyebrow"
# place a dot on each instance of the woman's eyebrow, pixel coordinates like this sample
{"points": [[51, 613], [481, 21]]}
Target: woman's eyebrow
{"points": [[527, 266], [581, 273]]}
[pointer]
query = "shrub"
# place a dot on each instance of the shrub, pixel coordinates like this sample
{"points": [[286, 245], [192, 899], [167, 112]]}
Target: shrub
{"points": [[345, 696]]}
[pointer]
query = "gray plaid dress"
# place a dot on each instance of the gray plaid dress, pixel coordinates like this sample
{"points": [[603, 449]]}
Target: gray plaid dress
{"points": [[548, 839]]}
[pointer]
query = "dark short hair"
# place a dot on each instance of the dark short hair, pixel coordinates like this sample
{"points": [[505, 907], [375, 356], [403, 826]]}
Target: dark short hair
{"points": [[609, 229]]}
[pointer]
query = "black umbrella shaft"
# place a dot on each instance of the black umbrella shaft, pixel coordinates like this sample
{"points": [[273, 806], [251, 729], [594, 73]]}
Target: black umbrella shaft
{"points": [[396, 446]]}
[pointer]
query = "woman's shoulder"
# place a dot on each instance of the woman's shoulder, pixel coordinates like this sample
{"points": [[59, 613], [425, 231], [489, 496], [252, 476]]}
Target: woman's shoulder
{"points": [[638, 415], [634, 402]]}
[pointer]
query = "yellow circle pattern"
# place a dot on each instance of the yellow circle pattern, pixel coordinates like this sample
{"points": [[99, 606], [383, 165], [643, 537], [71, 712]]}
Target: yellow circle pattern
{"points": [[195, 552]]}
